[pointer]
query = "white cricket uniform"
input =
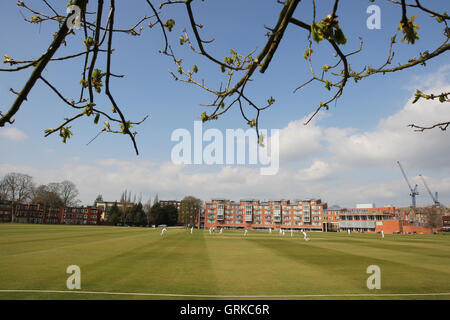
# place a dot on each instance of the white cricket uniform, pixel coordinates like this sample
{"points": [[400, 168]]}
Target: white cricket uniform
{"points": [[305, 236]]}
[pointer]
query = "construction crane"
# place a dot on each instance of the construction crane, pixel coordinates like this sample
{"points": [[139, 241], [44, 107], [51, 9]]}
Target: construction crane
{"points": [[435, 197], [414, 191]]}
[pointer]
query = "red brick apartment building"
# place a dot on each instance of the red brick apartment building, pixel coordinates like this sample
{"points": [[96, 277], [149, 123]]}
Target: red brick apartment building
{"points": [[35, 213], [308, 215], [262, 215], [6, 209], [81, 215], [445, 223]]}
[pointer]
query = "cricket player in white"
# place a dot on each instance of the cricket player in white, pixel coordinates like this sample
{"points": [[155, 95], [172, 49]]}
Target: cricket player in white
{"points": [[348, 231], [221, 229], [270, 230], [292, 233], [382, 233], [245, 232], [210, 230], [305, 236], [163, 231], [192, 229]]}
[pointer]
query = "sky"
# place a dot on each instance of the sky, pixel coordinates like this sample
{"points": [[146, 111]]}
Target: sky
{"points": [[345, 156]]}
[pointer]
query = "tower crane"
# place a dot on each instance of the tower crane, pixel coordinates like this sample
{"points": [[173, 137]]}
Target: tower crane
{"points": [[435, 197], [414, 191]]}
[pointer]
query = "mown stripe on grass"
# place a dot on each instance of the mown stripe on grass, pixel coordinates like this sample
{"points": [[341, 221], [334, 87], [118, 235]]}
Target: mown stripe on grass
{"points": [[344, 266]]}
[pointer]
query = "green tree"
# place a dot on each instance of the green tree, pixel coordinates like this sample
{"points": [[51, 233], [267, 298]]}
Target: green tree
{"points": [[189, 210], [139, 214], [167, 215], [156, 213], [170, 214], [113, 215]]}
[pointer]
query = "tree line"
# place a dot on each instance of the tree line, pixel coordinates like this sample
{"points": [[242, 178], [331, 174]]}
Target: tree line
{"points": [[21, 188], [128, 212], [139, 215]]}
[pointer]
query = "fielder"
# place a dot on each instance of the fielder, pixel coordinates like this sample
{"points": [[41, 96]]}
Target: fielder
{"points": [[305, 236], [192, 229], [163, 231], [221, 229], [245, 232], [382, 233]]}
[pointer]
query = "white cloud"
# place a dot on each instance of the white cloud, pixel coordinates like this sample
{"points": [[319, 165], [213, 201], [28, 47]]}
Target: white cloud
{"points": [[437, 79], [318, 170], [298, 142], [13, 134], [392, 140]]}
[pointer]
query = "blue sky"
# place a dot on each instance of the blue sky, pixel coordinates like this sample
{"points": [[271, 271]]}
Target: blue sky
{"points": [[345, 156]]}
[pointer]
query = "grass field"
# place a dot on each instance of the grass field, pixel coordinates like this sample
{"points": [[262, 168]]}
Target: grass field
{"points": [[139, 260]]}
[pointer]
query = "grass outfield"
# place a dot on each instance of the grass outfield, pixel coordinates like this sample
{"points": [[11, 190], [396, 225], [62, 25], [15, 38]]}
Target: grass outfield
{"points": [[139, 260]]}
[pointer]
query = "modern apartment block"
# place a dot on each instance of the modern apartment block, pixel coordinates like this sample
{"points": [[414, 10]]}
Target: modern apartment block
{"points": [[261, 215], [308, 215], [36, 213], [366, 219]]}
